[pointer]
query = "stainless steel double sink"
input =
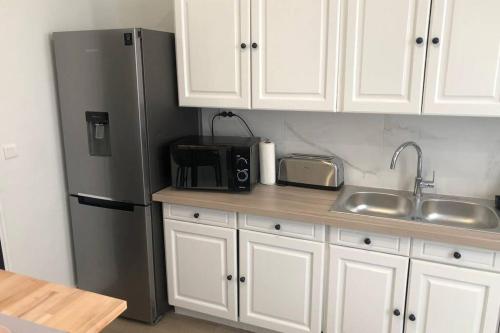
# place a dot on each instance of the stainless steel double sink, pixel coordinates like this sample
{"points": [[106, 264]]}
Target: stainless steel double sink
{"points": [[460, 212]]}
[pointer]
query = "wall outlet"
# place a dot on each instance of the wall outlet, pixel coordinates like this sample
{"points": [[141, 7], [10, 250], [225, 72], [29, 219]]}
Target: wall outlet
{"points": [[9, 151]]}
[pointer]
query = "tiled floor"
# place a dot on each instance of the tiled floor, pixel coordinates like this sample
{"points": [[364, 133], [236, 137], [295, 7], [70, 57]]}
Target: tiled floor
{"points": [[171, 323]]}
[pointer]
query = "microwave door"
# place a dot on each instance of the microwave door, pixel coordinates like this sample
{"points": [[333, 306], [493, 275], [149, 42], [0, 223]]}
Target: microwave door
{"points": [[199, 167]]}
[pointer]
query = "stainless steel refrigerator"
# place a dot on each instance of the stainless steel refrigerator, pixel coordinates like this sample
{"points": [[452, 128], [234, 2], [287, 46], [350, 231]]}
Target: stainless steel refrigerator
{"points": [[119, 110]]}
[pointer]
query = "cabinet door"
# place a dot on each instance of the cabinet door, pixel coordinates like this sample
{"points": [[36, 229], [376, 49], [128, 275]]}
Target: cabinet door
{"points": [[383, 63], [463, 68], [283, 284], [448, 299], [294, 66], [213, 69], [366, 291], [201, 268]]}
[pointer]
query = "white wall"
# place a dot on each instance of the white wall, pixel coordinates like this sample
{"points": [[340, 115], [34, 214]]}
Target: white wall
{"points": [[464, 152], [33, 203]]}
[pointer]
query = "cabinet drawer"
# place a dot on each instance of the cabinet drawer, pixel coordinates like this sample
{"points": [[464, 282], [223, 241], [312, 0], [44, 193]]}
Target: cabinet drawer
{"points": [[456, 255], [370, 241], [200, 215], [282, 227]]}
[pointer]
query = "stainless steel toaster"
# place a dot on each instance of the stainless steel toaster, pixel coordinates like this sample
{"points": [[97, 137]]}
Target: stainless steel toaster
{"points": [[315, 171]]}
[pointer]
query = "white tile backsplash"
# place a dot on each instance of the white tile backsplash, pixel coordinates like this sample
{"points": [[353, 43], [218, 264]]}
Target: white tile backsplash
{"points": [[463, 151]]}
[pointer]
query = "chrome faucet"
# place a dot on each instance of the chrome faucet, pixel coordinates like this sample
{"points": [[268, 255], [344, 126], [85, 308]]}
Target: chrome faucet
{"points": [[420, 183]]}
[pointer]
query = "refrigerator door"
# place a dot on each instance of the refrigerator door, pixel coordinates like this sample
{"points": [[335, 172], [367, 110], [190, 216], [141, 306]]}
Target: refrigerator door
{"points": [[102, 112], [113, 250]]}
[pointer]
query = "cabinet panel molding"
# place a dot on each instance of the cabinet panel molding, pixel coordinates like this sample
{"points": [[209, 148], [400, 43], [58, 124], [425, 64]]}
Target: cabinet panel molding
{"points": [[449, 299], [463, 67], [282, 227], [377, 242], [295, 63], [213, 69], [283, 284], [199, 260], [383, 65], [364, 290], [200, 215], [469, 256]]}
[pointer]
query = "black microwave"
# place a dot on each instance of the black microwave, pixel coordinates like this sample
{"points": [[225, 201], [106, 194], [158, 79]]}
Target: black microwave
{"points": [[228, 164]]}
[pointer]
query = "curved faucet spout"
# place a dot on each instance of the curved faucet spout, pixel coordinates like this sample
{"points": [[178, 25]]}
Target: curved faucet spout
{"points": [[401, 148], [419, 182]]}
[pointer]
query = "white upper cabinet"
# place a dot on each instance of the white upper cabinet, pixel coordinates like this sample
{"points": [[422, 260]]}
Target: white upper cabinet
{"points": [[201, 268], [463, 66], [449, 299], [295, 59], [213, 67], [366, 291], [384, 57], [281, 282]]}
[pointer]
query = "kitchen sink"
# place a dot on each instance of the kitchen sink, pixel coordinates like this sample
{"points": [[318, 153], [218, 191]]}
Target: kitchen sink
{"points": [[470, 213], [379, 204], [459, 213]]}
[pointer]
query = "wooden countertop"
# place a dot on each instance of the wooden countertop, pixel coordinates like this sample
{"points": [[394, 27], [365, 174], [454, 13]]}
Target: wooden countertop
{"points": [[309, 205], [56, 306]]}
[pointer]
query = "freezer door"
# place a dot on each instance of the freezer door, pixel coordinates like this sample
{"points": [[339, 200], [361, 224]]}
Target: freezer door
{"points": [[99, 77], [113, 253]]}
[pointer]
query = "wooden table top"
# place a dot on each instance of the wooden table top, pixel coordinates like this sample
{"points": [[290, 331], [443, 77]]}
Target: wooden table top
{"points": [[313, 206], [56, 306]]}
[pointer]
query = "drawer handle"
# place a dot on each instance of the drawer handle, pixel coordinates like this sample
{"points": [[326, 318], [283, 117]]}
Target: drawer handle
{"points": [[397, 313], [277, 227], [242, 279], [457, 255], [196, 215], [367, 241], [229, 277], [412, 317]]}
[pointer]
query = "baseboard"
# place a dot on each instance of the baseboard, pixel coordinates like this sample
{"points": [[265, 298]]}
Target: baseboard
{"points": [[234, 324]]}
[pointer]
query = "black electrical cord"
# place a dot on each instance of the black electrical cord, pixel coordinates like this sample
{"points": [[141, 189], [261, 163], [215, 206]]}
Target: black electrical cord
{"points": [[244, 122], [230, 114], [213, 118]]}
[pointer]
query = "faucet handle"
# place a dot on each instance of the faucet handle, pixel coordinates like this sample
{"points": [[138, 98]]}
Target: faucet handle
{"points": [[429, 183]]}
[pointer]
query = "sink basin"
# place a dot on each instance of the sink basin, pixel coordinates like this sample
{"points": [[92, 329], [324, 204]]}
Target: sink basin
{"points": [[459, 213], [467, 213], [379, 204]]}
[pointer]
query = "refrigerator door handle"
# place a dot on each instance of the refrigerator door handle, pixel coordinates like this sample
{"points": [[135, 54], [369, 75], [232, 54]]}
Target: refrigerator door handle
{"points": [[96, 202]]}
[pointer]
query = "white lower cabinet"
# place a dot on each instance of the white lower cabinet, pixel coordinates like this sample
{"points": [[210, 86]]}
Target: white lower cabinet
{"points": [[201, 268], [366, 291], [281, 282], [448, 299]]}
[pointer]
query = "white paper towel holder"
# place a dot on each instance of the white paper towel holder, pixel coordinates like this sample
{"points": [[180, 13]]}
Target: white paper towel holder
{"points": [[267, 157]]}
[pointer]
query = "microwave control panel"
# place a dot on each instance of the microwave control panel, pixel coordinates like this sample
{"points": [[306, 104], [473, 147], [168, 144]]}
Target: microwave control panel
{"points": [[241, 160]]}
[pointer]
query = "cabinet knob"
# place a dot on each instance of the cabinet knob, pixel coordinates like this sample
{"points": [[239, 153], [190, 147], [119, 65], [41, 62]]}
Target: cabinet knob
{"points": [[277, 227], [412, 317], [457, 255], [243, 45], [196, 215], [419, 40], [397, 313], [254, 45], [435, 41], [242, 279], [367, 241], [229, 277]]}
